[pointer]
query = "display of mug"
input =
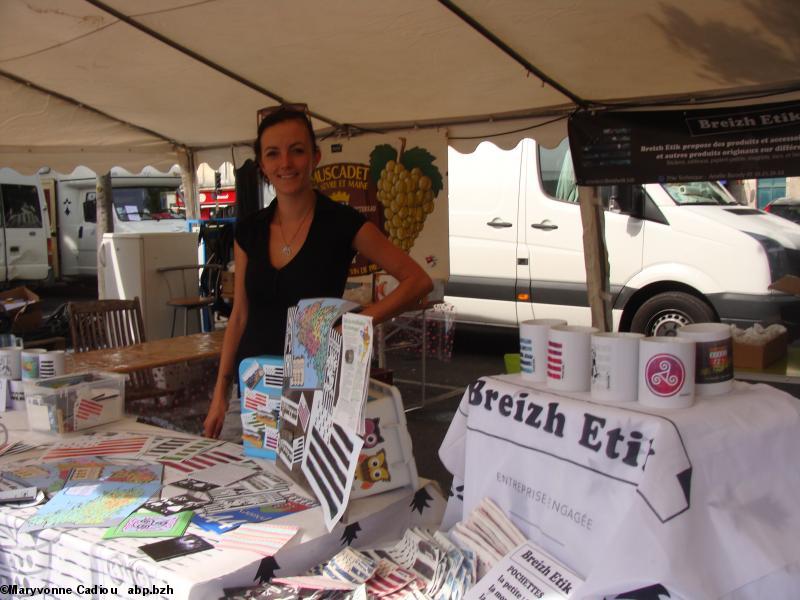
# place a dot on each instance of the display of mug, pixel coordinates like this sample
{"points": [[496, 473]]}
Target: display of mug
{"points": [[713, 373], [533, 347], [10, 362], [30, 362], [569, 358], [51, 364], [615, 366], [666, 372]]}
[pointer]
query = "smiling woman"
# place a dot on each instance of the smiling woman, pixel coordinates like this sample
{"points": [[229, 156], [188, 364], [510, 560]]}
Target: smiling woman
{"points": [[300, 246]]}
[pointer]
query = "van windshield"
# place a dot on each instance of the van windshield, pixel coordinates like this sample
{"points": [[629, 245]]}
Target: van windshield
{"points": [[698, 192], [149, 203]]}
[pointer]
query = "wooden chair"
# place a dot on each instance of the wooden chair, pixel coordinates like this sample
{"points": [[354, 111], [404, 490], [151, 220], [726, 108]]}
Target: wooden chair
{"points": [[187, 294], [105, 324]]}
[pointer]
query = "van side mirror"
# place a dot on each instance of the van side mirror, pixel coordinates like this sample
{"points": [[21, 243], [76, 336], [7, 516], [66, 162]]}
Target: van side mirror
{"points": [[628, 199]]}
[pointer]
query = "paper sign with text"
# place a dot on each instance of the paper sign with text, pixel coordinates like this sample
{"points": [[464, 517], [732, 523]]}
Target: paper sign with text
{"points": [[526, 572]]}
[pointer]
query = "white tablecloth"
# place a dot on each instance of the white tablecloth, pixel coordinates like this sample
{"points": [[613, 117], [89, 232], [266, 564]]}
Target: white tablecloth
{"points": [[702, 501], [72, 557]]}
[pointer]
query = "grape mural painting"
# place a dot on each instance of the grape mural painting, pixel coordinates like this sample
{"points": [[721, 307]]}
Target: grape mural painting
{"points": [[407, 182], [397, 182]]}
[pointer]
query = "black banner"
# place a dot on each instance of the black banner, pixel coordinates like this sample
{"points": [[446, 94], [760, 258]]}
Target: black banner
{"points": [[686, 145]]}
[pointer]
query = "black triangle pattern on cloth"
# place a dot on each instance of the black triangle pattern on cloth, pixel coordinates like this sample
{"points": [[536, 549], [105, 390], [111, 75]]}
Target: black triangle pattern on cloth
{"points": [[266, 569], [685, 481], [421, 500], [459, 492], [350, 534], [651, 592]]}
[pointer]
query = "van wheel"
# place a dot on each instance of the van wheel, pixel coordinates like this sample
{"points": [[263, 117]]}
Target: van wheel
{"points": [[665, 313]]}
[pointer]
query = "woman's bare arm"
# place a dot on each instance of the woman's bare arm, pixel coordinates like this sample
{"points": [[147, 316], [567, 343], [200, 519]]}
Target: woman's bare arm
{"points": [[230, 344], [413, 285]]}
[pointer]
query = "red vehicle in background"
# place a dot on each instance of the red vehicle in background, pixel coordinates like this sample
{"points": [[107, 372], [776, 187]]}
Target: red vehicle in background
{"points": [[221, 205], [788, 208]]}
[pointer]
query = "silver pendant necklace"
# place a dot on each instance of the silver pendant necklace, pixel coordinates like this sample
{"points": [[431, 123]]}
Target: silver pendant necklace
{"points": [[286, 249]]}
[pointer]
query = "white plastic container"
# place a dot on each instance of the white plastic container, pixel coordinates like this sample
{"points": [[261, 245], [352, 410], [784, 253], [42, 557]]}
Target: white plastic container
{"points": [[74, 402]]}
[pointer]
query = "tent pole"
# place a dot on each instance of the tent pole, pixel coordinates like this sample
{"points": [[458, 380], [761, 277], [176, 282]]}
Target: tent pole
{"points": [[105, 224], [189, 181], [595, 257]]}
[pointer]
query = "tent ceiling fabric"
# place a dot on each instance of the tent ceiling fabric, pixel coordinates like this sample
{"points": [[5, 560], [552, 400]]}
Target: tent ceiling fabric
{"points": [[359, 62]]}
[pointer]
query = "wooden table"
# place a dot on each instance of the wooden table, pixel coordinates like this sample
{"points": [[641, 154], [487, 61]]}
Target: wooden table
{"points": [[149, 355], [187, 364]]}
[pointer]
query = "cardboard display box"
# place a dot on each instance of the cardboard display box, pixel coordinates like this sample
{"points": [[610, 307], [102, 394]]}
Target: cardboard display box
{"points": [[758, 356], [227, 281], [23, 308]]}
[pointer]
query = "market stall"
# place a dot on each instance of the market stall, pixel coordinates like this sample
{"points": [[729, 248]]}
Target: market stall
{"points": [[71, 83]]}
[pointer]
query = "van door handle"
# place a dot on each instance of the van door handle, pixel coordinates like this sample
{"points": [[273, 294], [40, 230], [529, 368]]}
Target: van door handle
{"points": [[544, 225], [497, 223], [80, 232]]}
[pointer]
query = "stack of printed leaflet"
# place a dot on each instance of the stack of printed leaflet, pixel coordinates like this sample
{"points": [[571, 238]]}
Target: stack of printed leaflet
{"points": [[426, 565]]}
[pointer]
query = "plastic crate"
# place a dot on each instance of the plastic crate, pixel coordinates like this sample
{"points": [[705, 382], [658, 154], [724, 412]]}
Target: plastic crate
{"points": [[74, 402]]}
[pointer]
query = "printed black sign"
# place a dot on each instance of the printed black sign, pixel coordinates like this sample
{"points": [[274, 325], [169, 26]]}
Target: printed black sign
{"points": [[665, 146]]}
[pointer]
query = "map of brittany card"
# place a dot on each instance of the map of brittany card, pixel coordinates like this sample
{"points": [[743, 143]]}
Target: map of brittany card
{"points": [[103, 502], [309, 349]]}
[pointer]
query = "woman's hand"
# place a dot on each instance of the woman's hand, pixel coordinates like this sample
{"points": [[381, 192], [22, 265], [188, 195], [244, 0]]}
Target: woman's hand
{"points": [[212, 426]]}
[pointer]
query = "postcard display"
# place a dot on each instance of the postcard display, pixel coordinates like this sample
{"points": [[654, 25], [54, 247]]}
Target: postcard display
{"points": [[260, 384], [316, 412]]}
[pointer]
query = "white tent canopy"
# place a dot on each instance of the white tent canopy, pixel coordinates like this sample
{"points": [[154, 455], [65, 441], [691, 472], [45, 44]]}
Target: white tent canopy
{"points": [[136, 82]]}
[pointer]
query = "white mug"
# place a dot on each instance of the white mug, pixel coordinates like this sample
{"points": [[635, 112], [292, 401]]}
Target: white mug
{"points": [[569, 358], [51, 364], [30, 362], [533, 347], [17, 395], [615, 366], [713, 365], [10, 362], [666, 372]]}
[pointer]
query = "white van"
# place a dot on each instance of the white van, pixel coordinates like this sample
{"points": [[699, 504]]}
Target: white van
{"points": [[143, 203], [678, 253], [24, 228]]}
